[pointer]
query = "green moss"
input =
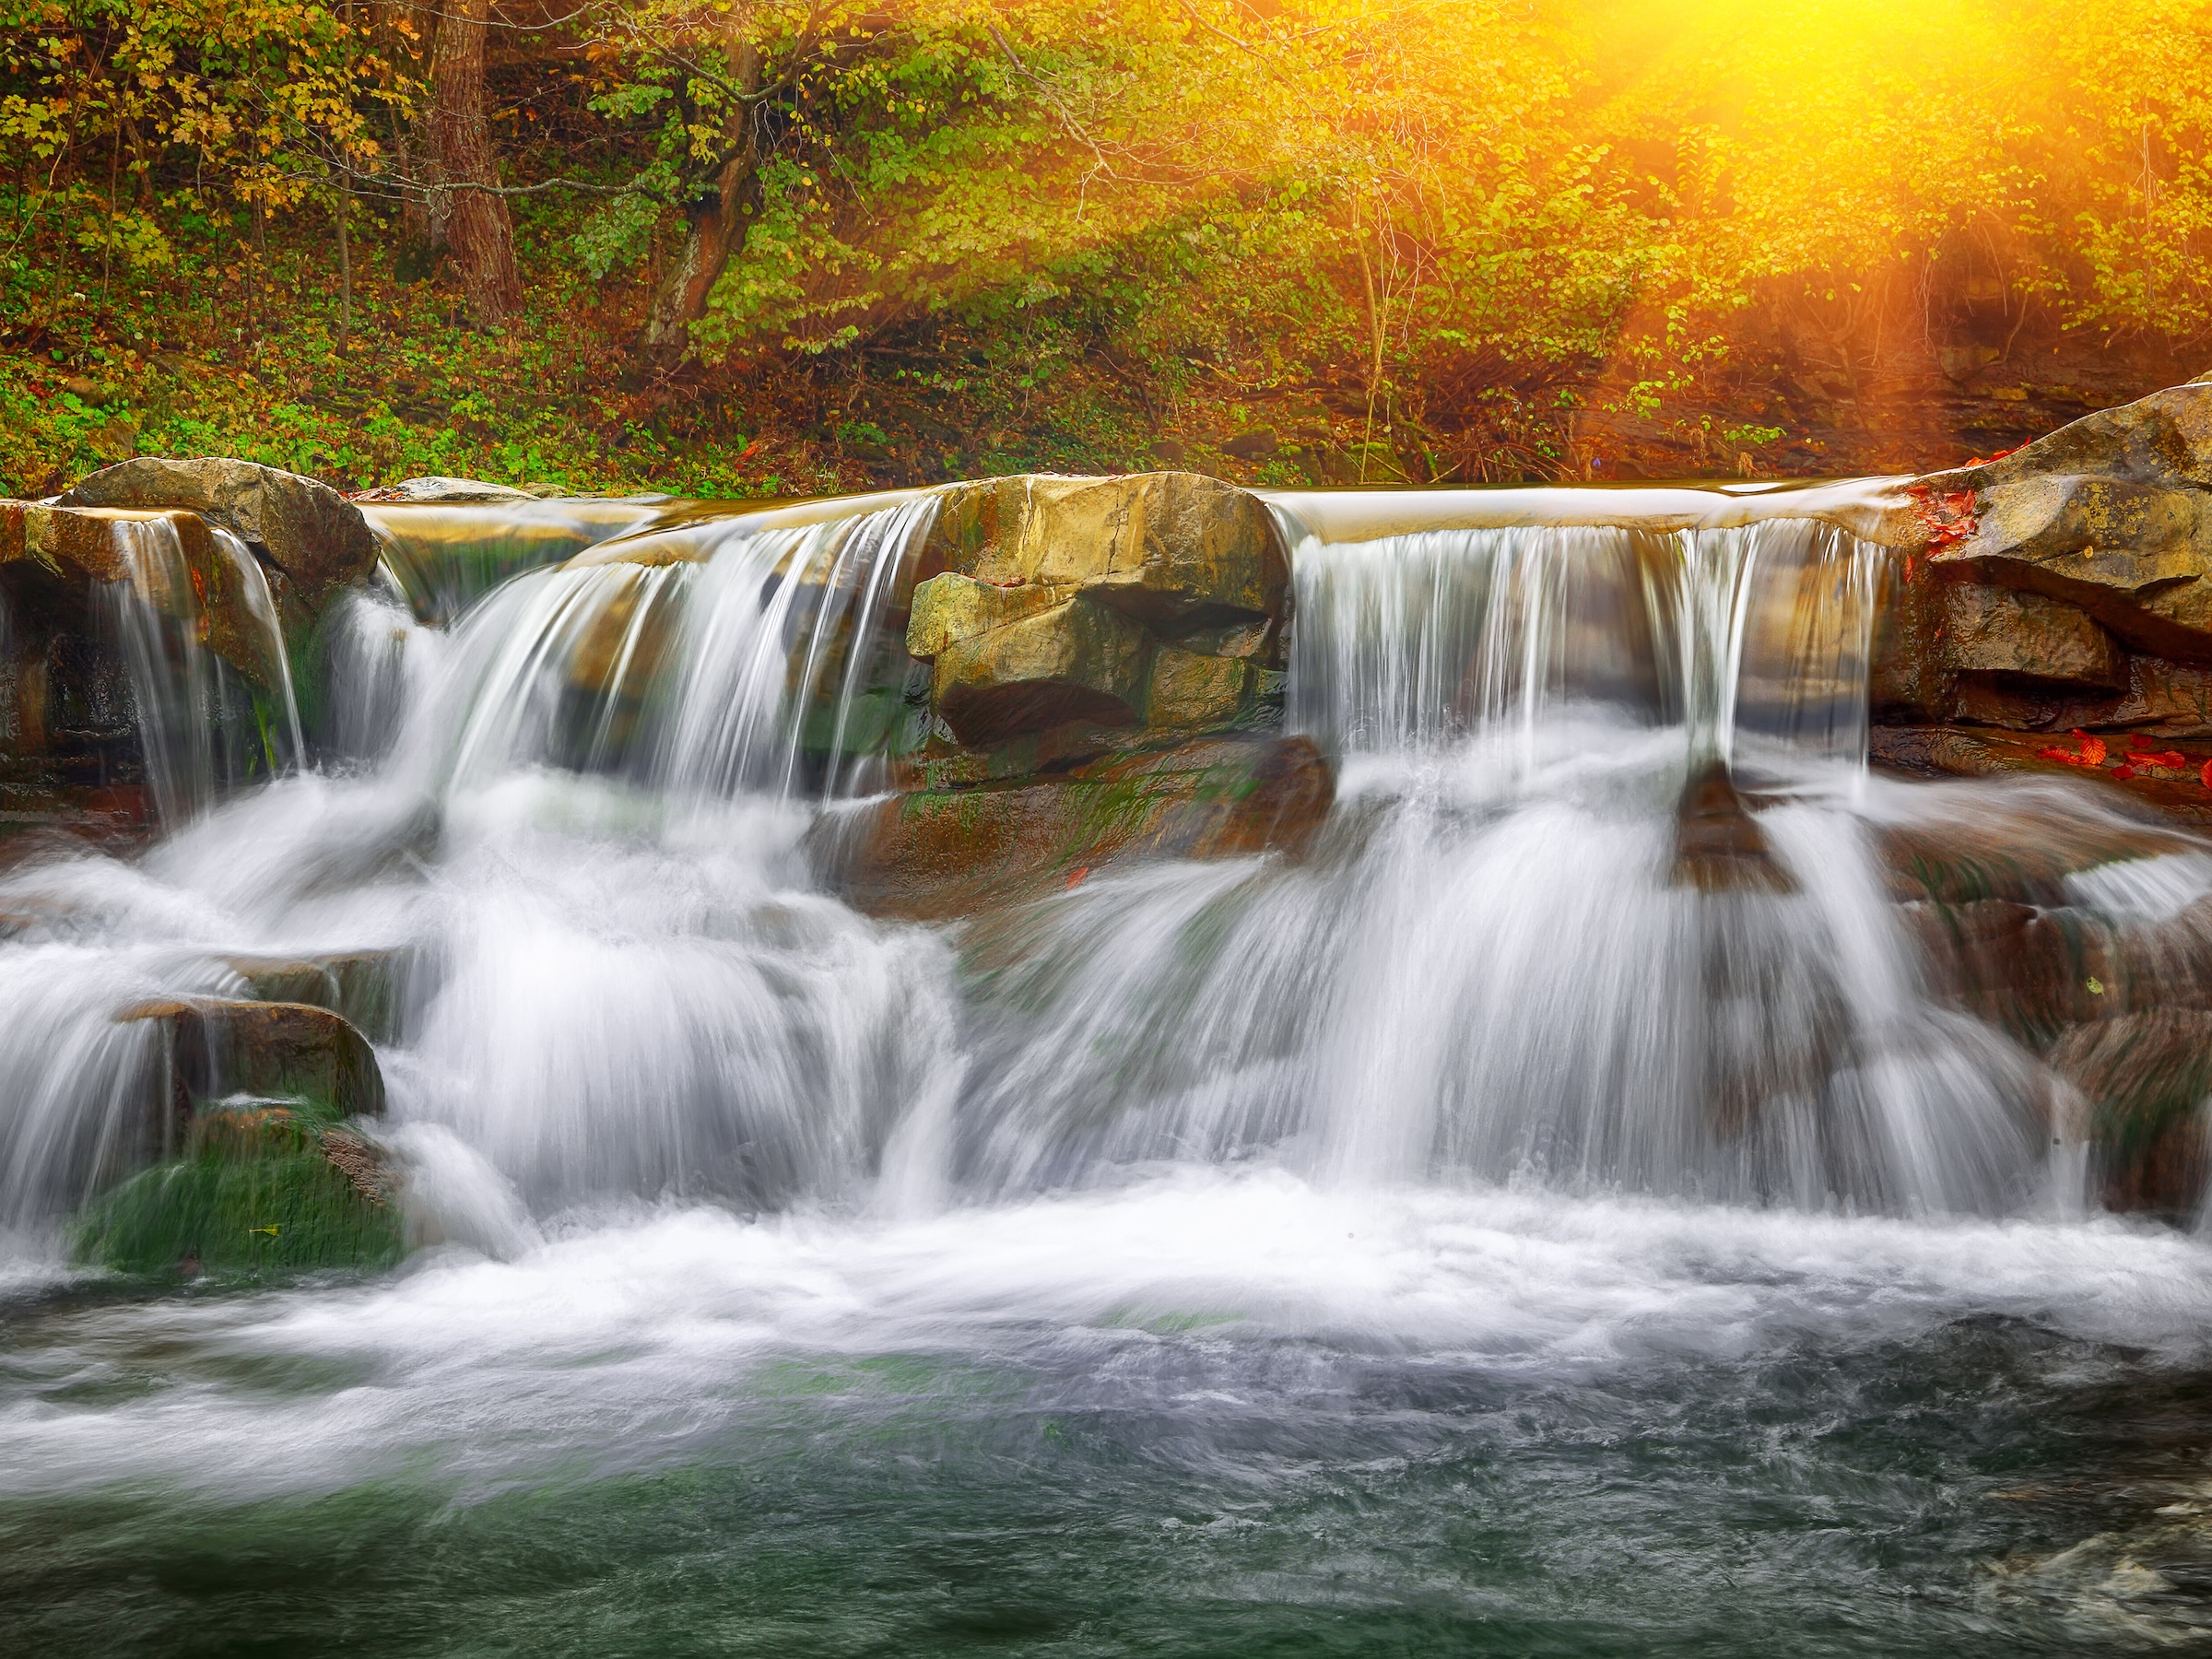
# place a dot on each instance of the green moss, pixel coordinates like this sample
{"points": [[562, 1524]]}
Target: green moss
{"points": [[1105, 815], [267, 1204]]}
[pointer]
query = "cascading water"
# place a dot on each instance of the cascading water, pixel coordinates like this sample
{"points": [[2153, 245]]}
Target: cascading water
{"points": [[1289, 1231], [200, 730], [1494, 965]]}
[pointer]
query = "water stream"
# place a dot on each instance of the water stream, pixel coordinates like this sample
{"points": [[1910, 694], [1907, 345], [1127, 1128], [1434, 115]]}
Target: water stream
{"points": [[1474, 1237]]}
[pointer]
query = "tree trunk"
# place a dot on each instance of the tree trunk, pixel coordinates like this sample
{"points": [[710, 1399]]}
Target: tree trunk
{"points": [[344, 202], [716, 222], [474, 221]]}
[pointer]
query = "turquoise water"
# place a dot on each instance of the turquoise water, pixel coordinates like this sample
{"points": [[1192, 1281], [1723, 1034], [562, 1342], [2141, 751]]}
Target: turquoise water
{"points": [[1465, 1421]]}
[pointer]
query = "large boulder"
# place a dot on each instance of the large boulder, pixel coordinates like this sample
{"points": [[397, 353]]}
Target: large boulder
{"points": [[215, 1047], [50, 557], [2108, 515], [314, 536], [1161, 546], [1079, 659], [253, 1159], [2064, 587], [72, 749], [1151, 602]]}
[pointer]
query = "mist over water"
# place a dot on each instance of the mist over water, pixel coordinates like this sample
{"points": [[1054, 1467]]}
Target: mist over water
{"points": [[1474, 1236]]}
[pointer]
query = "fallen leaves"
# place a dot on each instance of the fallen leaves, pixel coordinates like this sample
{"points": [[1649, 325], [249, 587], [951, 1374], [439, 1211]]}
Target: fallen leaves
{"points": [[1947, 519], [2091, 753], [2139, 759], [2142, 754]]}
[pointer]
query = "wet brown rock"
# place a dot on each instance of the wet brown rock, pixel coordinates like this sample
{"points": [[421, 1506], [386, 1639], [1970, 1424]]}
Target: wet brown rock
{"points": [[1192, 691], [1946, 751], [943, 854], [2029, 971], [625, 642], [2013, 849], [311, 532], [80, 546], [1718, 844], [1996, 631], [215, 1047], [2143, 1079]]}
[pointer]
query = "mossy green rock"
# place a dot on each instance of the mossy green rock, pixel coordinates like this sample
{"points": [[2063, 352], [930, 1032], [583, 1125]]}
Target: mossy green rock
{"points": [[261, 1190]]}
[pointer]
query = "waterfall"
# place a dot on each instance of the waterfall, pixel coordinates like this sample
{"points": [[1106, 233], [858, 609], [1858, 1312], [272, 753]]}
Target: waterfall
{"points": [[441, 558], [1493, 966], [1424, 639], [200, 731], [579, 800], [708, 660]]}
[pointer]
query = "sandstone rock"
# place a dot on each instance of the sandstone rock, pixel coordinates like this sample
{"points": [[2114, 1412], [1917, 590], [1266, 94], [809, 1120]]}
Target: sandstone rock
{"points": [[310, 532], [67, 544], [437, 488], [1996, 631], [2163, 439], [944, 853], [276, 1051], [1191, 691], [2107, 513], [49, 556], [2143, 1078], [1167, 548], [949, 608], [1082, 660], [2134, 556], [1094, 605]]}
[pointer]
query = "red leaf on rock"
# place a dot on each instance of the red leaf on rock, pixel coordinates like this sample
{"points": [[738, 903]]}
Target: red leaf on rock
{"points": [[2124, 771], [2071, 759], [2205, 777], [2092, 751]]}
